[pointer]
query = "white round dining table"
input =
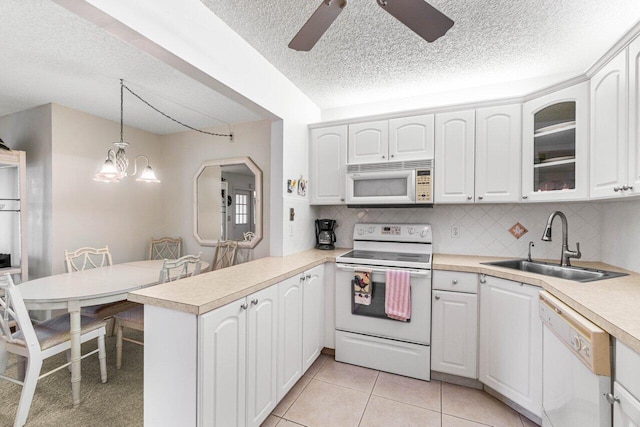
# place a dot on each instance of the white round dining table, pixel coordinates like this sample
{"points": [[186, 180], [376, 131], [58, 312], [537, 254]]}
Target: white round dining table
{"points": [[72, 291]]}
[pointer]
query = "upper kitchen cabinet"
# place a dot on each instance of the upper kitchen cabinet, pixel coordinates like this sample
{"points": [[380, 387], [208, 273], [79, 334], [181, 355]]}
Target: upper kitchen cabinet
{"points": [[406, 138], [411, 138], [13, 216], [454, 162], [615, 126], [328, 165], [369, 142], [498, 145], [555, 144]]}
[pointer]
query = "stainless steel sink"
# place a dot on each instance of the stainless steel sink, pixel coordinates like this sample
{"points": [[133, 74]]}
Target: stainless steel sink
{"points": [[579, 274]]}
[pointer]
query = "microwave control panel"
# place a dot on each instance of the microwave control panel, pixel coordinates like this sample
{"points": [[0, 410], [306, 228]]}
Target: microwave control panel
{"points": [[423, 186]]}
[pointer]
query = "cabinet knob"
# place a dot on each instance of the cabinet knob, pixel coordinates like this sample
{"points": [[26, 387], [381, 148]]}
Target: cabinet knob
{"points": [[383, 157], [244, 306], [483, 278], [525, 197], [254, 301], [308, 276], [616, 188], [625, 188], [342, 199], [437, 297], [611, 398], [393, 155], [469, 197], [480, 197], [454, 282], [630, 187]]}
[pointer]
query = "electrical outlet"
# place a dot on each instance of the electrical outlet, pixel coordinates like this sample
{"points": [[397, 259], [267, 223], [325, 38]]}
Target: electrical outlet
{"points": [[455, 231]]}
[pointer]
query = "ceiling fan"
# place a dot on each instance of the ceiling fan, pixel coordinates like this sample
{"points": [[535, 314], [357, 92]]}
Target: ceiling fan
{"points": [[422, 18]]}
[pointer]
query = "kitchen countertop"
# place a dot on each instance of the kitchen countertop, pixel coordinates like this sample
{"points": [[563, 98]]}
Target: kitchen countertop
{"points": [[208, 291], [612, 304]]}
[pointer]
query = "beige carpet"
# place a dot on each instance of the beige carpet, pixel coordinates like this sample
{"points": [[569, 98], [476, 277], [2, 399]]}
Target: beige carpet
{"points": [[119, 402]]}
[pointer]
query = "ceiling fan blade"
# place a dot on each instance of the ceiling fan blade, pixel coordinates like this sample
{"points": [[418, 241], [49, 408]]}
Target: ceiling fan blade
{"points": [[424, 19], [316, 26]]}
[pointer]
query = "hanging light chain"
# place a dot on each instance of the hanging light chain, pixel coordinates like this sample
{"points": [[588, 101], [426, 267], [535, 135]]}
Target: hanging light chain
{"points": [[122, 85]]}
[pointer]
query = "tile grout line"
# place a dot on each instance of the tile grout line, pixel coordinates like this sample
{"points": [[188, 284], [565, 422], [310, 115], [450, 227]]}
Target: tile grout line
{"points": [[303, 388], [369, 398]]}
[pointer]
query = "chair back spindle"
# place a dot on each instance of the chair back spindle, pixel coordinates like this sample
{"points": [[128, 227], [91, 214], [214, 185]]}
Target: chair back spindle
{"points": [[225, 254], [165, 248], [85, 258], [187, 266]]}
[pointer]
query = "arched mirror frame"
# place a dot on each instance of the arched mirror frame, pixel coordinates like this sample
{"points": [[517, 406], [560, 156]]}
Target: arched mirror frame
{"points": [[257, 173]]}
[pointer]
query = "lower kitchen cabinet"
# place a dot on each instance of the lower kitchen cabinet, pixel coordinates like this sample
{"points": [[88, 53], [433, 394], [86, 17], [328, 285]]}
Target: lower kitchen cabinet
{"points": [[238, 361], [511, 342], [626, 388], [312, 316], [289, 333], [454, 325]]}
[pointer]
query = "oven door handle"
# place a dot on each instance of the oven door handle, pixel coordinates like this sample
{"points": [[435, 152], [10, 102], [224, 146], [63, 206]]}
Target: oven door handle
{"points": [[345, 267]]}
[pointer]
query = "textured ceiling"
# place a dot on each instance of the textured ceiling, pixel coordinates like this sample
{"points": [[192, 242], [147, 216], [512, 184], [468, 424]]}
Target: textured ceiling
{"points": [[51, 55], [367, 56]]}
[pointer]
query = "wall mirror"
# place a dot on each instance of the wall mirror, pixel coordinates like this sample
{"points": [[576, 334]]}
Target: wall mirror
{"points": [[227, 196]]}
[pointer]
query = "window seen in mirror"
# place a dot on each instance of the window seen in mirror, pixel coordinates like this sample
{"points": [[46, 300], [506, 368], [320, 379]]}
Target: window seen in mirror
{"points": [[241, 209]]}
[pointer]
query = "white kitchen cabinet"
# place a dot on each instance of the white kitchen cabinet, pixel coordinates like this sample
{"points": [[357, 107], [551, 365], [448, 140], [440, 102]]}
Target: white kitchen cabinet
{"points": [[497, 156], [238, 361], [368, 142], [289, 333], [411, 138], [454, 334], [609, 129], [328, 165], [223, 367], [455, 157], [634, 118], [510, 359], [313, 293], [626, 410], [626, 388], [555, 145], [262, 355]]}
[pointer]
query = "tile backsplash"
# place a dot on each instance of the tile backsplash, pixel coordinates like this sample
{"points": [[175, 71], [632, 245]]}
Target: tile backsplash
{"points": [[484, 228]]}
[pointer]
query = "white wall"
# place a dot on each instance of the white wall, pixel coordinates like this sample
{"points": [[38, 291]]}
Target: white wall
{"points": [[484, 229], [184, 152], [30, 131], [90, 213], [621, 234], [181, 35]]}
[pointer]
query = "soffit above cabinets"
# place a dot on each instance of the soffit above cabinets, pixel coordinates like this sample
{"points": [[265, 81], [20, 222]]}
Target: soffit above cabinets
{"points": [[368, 56]]}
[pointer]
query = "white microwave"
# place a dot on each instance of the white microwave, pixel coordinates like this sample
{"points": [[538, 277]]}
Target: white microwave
{"points": [[391, 184]]}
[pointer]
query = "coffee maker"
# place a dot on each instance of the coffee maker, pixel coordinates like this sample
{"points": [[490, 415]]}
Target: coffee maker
{"points": [[325, 236]]}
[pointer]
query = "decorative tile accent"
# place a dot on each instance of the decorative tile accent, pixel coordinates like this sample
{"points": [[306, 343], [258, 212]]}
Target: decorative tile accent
{"points": [[518, 230], [484, 229]]}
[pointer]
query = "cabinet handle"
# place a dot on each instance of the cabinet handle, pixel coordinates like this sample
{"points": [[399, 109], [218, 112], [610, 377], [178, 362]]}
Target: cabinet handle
{"points": [[308, 276], [625, 188], [525, 197], [254, 301], [616, 188], [480, 197], [469, 197], [244, 306], [454, 282], [302, 278], [483, 278], [437, 297]]}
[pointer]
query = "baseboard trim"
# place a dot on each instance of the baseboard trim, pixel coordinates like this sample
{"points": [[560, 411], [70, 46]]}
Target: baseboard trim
{"points": [[533, 417], [457, 380], [329, 351]]}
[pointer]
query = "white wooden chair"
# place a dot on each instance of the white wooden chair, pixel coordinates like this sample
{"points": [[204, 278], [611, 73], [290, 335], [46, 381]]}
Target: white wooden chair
{"points": [[187, 266], [85, 258], [165, 248], [31, 344], [225, 254]]}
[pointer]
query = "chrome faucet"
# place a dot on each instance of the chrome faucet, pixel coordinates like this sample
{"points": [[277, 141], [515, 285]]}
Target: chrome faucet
{"points": [[566, 253], [529, 255]]}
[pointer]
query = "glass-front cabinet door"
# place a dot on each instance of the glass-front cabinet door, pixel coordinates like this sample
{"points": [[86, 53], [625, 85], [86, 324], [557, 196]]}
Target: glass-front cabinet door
{"points": [[554, 157]]}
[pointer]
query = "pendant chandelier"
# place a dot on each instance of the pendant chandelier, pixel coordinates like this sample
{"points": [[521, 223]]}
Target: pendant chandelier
{"points": [[116, 165]]}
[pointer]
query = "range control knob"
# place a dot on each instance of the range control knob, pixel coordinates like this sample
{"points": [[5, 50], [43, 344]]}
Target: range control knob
{"points": [[412, 230], [576, 343], [423, 233], [360, 231], [371, 229]]}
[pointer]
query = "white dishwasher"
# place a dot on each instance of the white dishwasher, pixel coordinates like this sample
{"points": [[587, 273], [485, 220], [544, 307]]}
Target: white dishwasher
{"points": [[576, 368]]}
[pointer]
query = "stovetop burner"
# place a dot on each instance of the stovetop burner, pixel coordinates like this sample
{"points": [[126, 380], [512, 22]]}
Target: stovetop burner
{"points": [[385, 256]]}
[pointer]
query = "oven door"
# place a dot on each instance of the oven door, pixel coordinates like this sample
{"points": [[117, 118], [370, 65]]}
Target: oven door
{"points": [[371, 319], [381, 188]]}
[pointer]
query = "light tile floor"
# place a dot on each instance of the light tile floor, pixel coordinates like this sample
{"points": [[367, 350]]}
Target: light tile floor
{"points": [[337, 394]]}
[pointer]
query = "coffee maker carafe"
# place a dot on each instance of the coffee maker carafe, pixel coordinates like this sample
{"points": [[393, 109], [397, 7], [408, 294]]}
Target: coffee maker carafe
{"points": [[325, 236]]}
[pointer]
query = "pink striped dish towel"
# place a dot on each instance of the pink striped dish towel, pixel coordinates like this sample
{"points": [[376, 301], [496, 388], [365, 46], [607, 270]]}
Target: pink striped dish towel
{"points": [[398, 295]]}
